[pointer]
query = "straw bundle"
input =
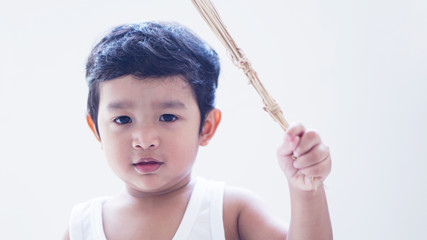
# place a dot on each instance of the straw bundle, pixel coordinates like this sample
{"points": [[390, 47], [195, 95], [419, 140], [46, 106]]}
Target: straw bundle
{"points": [[209, 13]]}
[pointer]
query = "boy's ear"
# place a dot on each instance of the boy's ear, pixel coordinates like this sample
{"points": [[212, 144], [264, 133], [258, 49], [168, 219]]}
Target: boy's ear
{"points": [[92, 126], [209, 127]]}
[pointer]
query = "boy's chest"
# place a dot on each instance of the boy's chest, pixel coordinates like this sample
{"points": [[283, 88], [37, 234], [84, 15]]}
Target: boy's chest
{"points": [[148, 225], [156, 231]]}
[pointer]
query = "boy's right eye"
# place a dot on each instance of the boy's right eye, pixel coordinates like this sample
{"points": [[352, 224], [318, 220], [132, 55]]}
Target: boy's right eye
{"points": [[122, 120]]}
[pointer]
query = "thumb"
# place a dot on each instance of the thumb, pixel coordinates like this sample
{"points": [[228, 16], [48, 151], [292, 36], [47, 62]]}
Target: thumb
{"points": [[284, 155], [288, 146]]}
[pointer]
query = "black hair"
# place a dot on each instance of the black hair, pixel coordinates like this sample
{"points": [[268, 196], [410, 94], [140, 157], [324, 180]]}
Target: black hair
{"points": [[154, 49]]}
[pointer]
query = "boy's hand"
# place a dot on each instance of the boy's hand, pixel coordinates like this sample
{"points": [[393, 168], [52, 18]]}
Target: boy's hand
{"points": [[304, 159]]}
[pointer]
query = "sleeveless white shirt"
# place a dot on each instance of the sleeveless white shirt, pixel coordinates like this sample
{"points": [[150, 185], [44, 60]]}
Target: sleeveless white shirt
{"points": [[202, 218]]}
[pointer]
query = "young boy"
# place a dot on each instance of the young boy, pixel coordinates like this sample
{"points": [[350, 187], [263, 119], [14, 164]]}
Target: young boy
{"points": [[151, 105]]}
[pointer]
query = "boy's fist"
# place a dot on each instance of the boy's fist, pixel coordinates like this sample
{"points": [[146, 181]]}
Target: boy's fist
{"points": [[304, 159]]}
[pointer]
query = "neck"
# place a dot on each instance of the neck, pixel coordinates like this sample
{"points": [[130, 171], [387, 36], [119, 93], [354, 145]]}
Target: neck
{"points": [[183, 186]]}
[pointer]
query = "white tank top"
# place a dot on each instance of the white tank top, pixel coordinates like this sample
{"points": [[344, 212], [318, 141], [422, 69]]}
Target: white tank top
{"points": [[202, 218]]}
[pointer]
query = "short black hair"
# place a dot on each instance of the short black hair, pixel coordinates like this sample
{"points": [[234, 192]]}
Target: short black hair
{"points": [[154, 49]]}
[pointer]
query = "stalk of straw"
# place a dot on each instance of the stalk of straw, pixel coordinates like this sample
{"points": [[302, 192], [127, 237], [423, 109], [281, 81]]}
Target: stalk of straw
{"points": [[211, 16], [209, 13]]}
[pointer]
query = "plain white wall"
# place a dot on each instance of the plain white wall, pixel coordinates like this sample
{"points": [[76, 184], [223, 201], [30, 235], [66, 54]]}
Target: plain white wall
{"points": [[354, 70]]}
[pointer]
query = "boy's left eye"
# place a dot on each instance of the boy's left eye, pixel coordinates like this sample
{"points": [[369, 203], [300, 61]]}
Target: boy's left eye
{"points": [[122, 120], [168, 118]]}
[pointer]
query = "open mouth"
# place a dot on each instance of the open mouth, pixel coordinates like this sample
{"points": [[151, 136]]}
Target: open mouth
{"points": [[147, 167]]}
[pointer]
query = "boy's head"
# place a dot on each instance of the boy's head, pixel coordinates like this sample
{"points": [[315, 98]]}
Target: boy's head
{"points": [[153, 49]]}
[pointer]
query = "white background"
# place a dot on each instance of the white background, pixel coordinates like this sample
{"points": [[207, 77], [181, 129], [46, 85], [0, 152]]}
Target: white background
{"points": [[354, 70]]}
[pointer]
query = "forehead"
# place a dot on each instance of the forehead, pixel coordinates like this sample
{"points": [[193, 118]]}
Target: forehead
{"points": [[130, 89]]}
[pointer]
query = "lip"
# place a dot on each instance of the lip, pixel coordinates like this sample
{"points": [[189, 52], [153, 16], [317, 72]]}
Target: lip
{"points": [[147, 165]]}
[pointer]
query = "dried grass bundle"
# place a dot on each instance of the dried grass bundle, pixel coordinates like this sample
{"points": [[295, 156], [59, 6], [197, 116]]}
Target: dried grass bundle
{"points": [[209, 13]]}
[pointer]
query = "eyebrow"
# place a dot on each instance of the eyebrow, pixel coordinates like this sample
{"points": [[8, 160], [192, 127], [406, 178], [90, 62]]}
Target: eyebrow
{"points": [[119, 105], [170, 104], [174, 104]]}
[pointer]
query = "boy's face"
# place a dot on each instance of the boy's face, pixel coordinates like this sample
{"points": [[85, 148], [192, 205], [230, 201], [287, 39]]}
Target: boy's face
{"points": [[149, 130]]}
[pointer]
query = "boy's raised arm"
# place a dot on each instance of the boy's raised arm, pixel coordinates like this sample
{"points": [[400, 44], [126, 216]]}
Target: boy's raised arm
{"points": [[309, 215], [306, 162]]}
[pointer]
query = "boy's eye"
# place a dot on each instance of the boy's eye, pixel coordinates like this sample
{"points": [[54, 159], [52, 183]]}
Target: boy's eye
{"points": [[168, 118], [122, 120]]}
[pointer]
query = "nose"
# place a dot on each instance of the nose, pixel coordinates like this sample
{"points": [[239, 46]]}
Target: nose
{"points": [[145, 138]]}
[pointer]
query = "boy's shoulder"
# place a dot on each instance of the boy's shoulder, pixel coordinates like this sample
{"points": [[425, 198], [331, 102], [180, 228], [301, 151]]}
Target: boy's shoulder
{"points": [[246, 214], [82, 213], [89, 207]]}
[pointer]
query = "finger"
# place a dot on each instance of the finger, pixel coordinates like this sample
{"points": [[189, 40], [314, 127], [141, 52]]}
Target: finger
{"points": [[309, 140], [288, 146], [286, 164], [317, 154], [320, 170], [291, 139], [295, 129]]}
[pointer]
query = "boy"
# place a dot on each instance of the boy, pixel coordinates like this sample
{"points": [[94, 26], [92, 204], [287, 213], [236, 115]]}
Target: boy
{"points": [[151, 105]]}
